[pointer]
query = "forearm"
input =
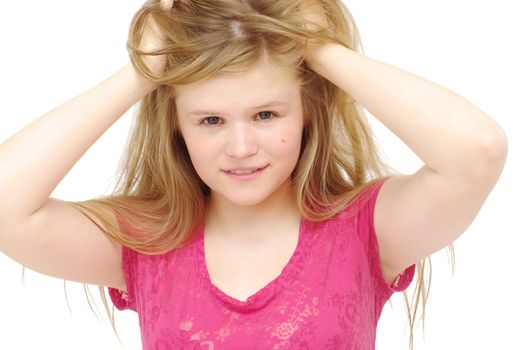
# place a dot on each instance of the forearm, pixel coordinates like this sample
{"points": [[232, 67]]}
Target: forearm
{"points": [[450, 134], [38, 157]]}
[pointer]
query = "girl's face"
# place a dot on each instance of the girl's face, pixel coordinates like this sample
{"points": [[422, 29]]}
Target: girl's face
{"points": [[243, 131]]}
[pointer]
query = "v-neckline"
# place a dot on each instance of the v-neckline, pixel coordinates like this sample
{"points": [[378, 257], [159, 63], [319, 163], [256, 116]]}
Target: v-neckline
{"points": [[264, 294]]}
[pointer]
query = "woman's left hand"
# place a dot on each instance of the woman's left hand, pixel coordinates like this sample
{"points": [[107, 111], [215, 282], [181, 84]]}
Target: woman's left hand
{"points": [[314, 14]]}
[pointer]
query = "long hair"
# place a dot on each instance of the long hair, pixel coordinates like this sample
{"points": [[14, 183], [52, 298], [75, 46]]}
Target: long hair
{"points": [[159, 193]]}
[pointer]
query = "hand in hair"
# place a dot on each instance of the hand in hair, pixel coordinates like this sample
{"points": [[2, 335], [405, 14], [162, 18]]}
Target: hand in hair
{"points": [[314, 13], [152, 40], [167, 4], [315, 16]]}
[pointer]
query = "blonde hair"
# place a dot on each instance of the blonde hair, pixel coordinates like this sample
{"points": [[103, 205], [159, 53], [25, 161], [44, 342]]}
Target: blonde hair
{"points": [[158, 192]]}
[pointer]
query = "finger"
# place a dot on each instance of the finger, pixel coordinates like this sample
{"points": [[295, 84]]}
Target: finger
{"points": [[167, 4]]}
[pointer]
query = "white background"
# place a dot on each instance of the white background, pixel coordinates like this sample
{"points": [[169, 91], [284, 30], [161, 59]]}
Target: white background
{"points": [[53, 50]]}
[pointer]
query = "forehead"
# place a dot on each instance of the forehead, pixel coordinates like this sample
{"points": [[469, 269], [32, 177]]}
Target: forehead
{"points": [[261, 83]]}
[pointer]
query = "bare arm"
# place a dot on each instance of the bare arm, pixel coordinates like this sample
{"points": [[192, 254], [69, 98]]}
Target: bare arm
{"points": [[49, 235], [463, 149], [38, 157], [450, 134]]}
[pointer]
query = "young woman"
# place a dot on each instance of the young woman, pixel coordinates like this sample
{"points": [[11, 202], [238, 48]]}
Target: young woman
{"points": [[253, 210]]}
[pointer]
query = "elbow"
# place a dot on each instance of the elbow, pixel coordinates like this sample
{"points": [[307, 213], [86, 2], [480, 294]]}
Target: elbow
{"points": [[491, 153], [494, 145]]}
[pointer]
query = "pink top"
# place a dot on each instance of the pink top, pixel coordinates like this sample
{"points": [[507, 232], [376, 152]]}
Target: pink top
{"points": [[329, 295]]}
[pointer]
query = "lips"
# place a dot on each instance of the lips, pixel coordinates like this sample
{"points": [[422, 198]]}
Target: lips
{"points": [[244, 170]]}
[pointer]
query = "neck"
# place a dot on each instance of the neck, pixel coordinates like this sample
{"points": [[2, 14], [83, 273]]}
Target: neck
{"points": [[255, 223]]}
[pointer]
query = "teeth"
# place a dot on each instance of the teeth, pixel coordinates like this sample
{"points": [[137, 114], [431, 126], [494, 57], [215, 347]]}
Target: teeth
{"points": [[240, 172]]}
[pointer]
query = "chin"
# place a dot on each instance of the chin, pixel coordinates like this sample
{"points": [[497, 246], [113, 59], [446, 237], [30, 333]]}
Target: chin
{"points": [[246, 198], [245, 202]]}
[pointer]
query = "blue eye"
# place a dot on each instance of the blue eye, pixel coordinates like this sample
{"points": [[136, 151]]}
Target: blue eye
{"points": [[269, 113], [211, 120]]}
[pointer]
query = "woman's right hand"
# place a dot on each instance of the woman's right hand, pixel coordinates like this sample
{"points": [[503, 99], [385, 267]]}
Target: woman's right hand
{"points": [[153, 40]]}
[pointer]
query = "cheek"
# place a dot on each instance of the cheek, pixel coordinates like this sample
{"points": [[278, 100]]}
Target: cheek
{"points": [[199, 152], [287, 142]]}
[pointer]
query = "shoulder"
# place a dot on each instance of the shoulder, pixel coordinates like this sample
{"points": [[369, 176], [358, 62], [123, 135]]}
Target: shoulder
{"points": [[362, 202]]}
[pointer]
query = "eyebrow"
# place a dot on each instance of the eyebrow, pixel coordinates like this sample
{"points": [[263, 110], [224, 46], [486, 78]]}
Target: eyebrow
{"points": [[273, 103]]}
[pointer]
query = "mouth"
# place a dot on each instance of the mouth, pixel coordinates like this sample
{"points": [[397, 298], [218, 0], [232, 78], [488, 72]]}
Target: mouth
{"points": [[245, 173], [244, 170]]}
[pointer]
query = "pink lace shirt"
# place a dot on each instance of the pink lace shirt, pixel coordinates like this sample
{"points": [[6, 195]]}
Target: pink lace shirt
{"points": [[329, 295]]}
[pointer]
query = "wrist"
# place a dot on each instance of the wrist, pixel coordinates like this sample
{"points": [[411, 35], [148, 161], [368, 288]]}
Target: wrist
{"points": [[318, 56], [138, 85], [141, 83]]}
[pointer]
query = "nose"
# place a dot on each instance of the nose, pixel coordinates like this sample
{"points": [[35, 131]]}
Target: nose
{"points": [[241, 141]]}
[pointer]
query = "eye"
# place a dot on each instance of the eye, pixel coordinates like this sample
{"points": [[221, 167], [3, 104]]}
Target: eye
{"points": [[266, 115], [211, 120]]}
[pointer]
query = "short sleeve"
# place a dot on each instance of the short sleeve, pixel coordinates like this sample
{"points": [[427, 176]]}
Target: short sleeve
{"points": [[121, 299], [126, 300], [403, 280]]}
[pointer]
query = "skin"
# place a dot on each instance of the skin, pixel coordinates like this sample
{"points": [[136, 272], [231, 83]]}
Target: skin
{"points": [[235, 135], [415, 215], [435, 205]]}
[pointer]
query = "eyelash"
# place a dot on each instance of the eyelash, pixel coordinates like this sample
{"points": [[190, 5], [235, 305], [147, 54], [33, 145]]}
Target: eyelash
{"points": [[202, 121]]}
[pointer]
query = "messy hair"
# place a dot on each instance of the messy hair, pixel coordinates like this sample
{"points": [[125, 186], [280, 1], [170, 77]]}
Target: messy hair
{"points": [[158, 192]]}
